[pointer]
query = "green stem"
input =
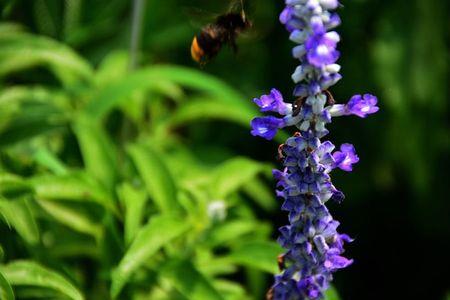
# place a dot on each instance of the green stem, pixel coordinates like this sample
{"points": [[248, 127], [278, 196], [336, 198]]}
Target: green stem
{"points": [[136, 31]]}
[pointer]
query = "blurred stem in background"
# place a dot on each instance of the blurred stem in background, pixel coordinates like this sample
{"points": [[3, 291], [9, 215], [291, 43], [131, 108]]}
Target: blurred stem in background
{"points": [[137, 18]]}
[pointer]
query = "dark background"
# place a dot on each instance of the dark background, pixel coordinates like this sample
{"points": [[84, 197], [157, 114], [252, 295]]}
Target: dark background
{"points": [[396, 204]]}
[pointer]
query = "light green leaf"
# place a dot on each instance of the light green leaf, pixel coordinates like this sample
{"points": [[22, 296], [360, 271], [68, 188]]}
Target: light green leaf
{"points": [[12, 186], [232, 175], [159, 231], [134, 201], [19, 215], [260, 193], [150, 78], [231, 230], [331, 294], [98, 151], [72, 187], [29, 119], [6, 292], [184, 277], [19, 51], [49, 160], [258, 254], [112, 68], [30, 273], [230, 290], [209, 108], [71, 218], [156, 176]]}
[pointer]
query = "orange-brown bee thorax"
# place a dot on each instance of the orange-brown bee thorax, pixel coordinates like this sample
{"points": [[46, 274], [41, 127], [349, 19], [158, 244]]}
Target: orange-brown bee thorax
{"points": [[197, 52]]}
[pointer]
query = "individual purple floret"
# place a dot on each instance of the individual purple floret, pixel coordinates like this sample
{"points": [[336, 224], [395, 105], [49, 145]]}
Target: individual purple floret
{"points": [[266, 127], [362, 106], [345, 158], [313, 246], [273, 102]]}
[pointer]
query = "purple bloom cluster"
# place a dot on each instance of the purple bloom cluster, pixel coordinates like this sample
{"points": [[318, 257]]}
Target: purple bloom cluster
{"points": [[313, 246]]}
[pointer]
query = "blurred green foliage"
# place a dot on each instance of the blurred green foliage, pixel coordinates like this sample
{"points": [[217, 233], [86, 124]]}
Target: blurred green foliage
{"points": [[95, 168], [133, 183]]}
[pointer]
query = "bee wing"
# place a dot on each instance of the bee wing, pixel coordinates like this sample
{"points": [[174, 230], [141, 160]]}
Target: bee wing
{"points": [[199, 17]]}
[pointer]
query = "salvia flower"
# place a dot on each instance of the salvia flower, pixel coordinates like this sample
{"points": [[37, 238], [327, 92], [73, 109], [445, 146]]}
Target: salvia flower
{"points": [[313, 246]]}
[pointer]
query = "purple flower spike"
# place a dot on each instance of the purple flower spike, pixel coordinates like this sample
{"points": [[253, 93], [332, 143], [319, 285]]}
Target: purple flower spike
{"points": [[266, 127], [272, 102], [321, 49], [313, 246], [345, 158], [362, 105]]}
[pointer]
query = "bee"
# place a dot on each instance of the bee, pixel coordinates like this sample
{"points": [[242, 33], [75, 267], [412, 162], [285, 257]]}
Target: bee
{"points": [[224, 30]]}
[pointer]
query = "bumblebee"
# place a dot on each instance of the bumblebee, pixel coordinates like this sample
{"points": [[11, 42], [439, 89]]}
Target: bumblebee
{"points": [[226, 28]]}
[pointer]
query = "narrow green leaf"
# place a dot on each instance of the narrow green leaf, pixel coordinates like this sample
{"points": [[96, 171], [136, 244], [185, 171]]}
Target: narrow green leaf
{"points": [[6, 292], [12, 186], [72, 187], [232, 175], [189, 281], [207, 108], [258, 254], [231, 290], [112, 68], [30, 119], [19, 51], [30, 273], [156, 176], [151, 77], [19, 215], [50, 161], [98, 151], [260, 193], [134, 201], [158, 232], [71, 218], [231, 230]]}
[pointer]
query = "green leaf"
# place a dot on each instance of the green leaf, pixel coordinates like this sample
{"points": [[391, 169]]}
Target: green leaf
{"points": [[49, 160], [258, 254], [6, 292], [207, 108], [134, 201], [30, 273], [331, 294], [12, 186], [98, 151], [159, 231], [231, 290], [19, 215], [149, 78], [156, 176], [182, 275], [19, 51], [232, 175], [225, 232], [71, 218], [112, 68], [29, 119], [261, 194], [72, 187]]}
